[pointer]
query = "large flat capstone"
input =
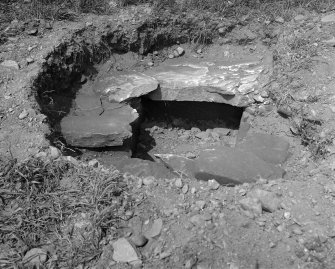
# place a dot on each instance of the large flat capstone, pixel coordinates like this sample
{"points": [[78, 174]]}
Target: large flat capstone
{"points": [[124, 85], [220, 82], [94, 123]]}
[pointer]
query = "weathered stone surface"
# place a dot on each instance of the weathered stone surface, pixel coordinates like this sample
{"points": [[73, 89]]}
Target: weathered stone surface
{"points": [[143, 168], [269, 200], [270, 148], [35, 257], [124, 85], [251, 206], [178, 164], [111, 128], [10, 64], [124, 251], [233, 166], [328, 18], [227, 83]]}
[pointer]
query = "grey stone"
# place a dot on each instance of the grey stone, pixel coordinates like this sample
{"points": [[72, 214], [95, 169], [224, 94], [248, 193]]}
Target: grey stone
{"points": [[207, 82], [23, 114], [35, 257], [233, 166], [125, 85], [155, 229], [269, 148], [139, 240], [111, 128], [279, 20], [54, 152], [299, 17], [270, 201], [10, 64], [180, 51], [93, 163], [124, 251], [252, 206], [328, 18]]}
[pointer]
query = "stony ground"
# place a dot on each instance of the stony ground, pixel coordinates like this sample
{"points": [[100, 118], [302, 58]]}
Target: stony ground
{"points": [[180, 222]]}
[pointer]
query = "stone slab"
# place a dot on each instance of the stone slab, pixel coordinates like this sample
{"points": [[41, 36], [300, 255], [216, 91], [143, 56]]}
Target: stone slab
{"points": [[269, 148], [92, 129], [125, 85], [219, 82], [234, 166]]}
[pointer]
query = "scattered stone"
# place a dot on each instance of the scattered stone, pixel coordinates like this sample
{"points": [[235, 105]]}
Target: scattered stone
{"points": [[269, 200], [23, 114], [165, 254], [287, 215], [213, 184], [197, 220], [203, 135], [139, 240], [200, 204], [33, 32], [222, 131], [297, 231], [124, 251], [30, 60], [258, 99], [279, 20], [193, 190], [54, 153], [155, 229], [299, 17], [184, 189], [35, 257], [285, 111], [10, 64], [328, 18], [155, 53], [190, 263], [251, 206], [150, 64], [180, 51], [171, 56], [89, 23], [199, 51], [148, 180], [93, 163], [178, 183], [264, 94], [330, 42], [48, 26], [190, 155]]}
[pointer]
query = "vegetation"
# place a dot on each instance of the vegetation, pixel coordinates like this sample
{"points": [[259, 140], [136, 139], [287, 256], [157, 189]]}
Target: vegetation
{"points": [[40, 197]]}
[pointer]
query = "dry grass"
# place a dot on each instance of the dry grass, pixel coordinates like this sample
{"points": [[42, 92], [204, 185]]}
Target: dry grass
{"points": [[40, 197]]}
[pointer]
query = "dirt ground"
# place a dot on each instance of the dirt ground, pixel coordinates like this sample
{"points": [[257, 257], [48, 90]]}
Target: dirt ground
{"points": [[203, 225]]}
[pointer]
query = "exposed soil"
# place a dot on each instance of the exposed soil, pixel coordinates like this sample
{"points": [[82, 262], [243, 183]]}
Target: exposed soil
{"points": [[204, 225]]}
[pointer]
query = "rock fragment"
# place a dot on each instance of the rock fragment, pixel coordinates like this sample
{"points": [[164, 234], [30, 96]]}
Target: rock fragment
{"points": [[35, 257], [270, 201], [10, 64], [155, 229], [124, 251], [251, 206], [23, 114]]}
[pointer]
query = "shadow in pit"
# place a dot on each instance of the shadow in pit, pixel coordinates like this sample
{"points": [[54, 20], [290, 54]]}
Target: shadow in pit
{"points": [[183, 115]]}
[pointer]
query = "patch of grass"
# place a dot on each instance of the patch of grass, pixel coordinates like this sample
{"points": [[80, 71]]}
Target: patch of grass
{"points": [[39, 198]]}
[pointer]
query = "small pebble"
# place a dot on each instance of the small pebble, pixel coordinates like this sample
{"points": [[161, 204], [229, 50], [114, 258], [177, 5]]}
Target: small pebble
{"points": [[139, 240], [23, 114], [150, 64], [213, 184], [178, 183], [185, 189], [148, 180], [171, 56], [29, 60], [287, 215], [193, 190]]}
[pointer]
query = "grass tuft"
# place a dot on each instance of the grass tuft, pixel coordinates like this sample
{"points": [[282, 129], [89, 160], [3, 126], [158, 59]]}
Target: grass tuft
{"points": [[39, 198]]}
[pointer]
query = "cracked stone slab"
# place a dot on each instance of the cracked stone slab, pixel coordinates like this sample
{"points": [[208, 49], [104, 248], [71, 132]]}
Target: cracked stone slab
{"points": [[219, 82], [99, 128], [125, 85]]}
